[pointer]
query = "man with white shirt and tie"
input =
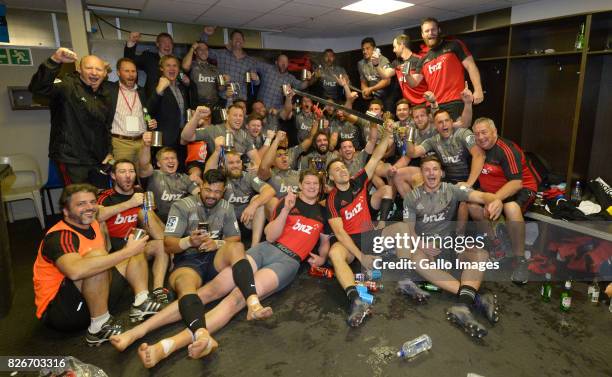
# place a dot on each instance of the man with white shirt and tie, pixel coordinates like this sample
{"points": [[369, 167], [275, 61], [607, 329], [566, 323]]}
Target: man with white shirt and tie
{"points": [[128, 124]]}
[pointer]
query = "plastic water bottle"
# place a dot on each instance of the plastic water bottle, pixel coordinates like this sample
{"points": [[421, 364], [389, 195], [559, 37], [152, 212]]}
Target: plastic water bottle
{"points": [[566, 296], [576, 196], [415, 346], [546, 289]]}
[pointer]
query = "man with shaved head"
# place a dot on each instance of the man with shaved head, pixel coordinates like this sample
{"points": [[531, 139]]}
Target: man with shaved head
{"points": [[81, 115]]}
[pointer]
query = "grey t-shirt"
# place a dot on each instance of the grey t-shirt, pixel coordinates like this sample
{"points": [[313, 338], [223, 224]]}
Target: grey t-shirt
{"points": [[168, 188], [434, 212], [242, 142], [357, 163], [293, 154], [205, 77], [329, 84], [239, 191], [283, 180], [369, 74], [347, 130], [303, 123], [187, 212], [454, 153]]}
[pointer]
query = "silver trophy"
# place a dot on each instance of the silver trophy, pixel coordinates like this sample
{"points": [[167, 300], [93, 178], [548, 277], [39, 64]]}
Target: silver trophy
{"points": [[286, 89], [156, 139], [148, 203], [137, 232], [304, 74], [229, 141]]}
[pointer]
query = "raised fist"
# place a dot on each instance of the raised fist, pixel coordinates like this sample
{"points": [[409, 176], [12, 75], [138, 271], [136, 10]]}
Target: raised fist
{"points": [[64, 55], [133, 39]]}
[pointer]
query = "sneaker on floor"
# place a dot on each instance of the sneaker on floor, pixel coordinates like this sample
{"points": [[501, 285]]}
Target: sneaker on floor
{"points": [[487, 305], [461, 315], [149, 307], [520, 275], [109, 328], [161, 295], [359, 311], [412, 290]]}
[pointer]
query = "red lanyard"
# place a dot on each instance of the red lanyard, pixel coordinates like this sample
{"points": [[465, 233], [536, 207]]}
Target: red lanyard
{"points": [[126, 101]]}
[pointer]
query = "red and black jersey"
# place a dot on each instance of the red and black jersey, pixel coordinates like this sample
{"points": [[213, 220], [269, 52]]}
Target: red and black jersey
{"points": [[442, 69], [305, 223], [504, 162], [413, 95], [119, 225], [352, 205]]}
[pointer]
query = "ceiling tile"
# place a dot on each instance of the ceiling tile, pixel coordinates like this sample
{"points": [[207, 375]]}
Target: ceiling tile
{"points": [[224, 16], [337, 4], [454, 5], [175, 11], [304, 10], [135, 4], [260, 6], [274, 21]]}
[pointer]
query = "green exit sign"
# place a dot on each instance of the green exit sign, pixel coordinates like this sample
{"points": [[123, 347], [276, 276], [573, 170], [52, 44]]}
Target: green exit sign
{"points": [[16, 56]]}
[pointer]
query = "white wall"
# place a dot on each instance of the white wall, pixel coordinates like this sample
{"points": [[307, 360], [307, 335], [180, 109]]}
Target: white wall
{"points": [[280, 42], [543, 9], [24, 131]]}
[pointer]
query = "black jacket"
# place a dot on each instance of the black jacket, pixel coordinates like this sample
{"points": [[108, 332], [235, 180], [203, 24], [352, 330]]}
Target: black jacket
{"points": [[113, 94], [149, 63], [80, 127], [165, 110]]}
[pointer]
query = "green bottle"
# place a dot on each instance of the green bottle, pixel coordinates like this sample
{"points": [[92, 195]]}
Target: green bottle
{"points": [[566, 296], [146, 115], [579, 44], [430, 287], [546, 290]]}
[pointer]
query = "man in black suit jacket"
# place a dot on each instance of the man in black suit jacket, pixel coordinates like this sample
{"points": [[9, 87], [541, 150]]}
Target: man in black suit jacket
{"points": [[168, 105], [148, 61], [128, 102]]}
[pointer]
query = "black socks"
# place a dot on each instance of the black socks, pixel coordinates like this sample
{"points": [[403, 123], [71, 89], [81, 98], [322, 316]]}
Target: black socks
{"points": [[466, 294], [243, 278], [351, 293], [386, 204], [192, 311]]}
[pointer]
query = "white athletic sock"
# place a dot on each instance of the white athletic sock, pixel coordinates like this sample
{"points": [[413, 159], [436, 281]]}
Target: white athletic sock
{"points": [[97, 322], [141, 297]]}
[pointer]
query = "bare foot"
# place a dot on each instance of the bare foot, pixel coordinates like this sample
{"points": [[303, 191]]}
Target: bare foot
{"points": [[258, 312], [125, 339], [150, 355], [203, 345]]}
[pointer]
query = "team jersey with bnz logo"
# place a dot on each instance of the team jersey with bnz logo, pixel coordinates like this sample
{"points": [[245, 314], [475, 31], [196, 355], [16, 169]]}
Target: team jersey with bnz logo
{"points": [[352, 205], [119, 226], [186, 213], [442, 69], [240, 191], [168, 188], [304, 224], [453, 152], [434, 212]]}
